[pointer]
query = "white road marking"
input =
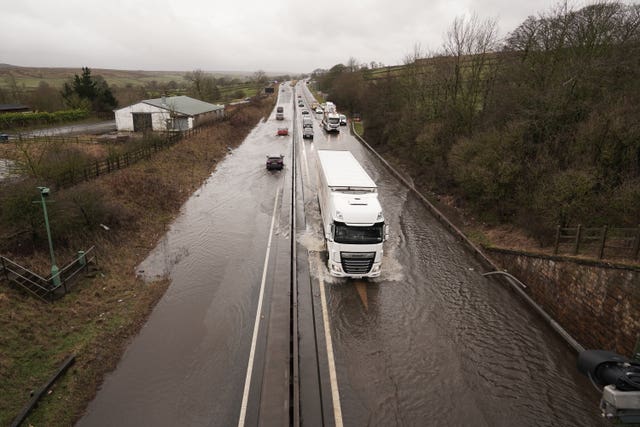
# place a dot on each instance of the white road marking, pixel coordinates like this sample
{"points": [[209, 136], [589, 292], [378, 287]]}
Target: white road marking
{"points": [[256, 326], [335, 393]]}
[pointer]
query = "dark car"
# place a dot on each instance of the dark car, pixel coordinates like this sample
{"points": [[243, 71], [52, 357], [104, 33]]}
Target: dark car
{"points": [[275, 162], [307, 132]]}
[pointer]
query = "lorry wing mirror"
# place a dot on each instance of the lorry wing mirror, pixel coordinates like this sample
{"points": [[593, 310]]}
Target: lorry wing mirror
{"points": [[386, 232]]}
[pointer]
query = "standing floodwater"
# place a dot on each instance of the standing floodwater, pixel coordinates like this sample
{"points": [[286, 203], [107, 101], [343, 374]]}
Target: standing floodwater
{"points": [[432, 341], [187, 365]]}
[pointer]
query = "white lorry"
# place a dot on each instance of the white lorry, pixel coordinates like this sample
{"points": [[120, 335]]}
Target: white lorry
{"points": [[330, 119], [352, 219], [331, 122]]}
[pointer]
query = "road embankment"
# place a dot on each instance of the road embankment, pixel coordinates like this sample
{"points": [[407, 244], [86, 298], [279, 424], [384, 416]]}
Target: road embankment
{"points": [[98, 317]]}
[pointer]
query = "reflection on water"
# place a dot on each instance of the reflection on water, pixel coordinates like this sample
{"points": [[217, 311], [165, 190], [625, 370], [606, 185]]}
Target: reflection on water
{"points": [[432, 342], [187, 364]]}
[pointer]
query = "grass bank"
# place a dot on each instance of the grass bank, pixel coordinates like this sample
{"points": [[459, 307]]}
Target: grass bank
{"points": [[99, 316]]}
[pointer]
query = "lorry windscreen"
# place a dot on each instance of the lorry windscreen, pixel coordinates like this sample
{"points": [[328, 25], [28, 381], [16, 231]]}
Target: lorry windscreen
{"points": [[358, 235], [334, 120]]}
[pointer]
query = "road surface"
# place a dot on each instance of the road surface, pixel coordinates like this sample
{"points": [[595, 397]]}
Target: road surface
{"points": [[431, 342]]}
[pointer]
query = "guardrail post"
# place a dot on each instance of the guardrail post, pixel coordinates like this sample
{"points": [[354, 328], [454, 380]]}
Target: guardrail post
{"points": [[602, 242], [555, 248], [4, 268], [636, 351], [81, 258], [576, 247]]}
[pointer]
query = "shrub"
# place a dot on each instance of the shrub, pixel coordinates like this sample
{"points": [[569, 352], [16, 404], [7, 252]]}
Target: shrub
{"points": [[16, 120]]}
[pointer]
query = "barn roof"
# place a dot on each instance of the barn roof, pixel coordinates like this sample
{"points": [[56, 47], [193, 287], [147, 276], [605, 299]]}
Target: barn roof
{"points": [[183, 105]]}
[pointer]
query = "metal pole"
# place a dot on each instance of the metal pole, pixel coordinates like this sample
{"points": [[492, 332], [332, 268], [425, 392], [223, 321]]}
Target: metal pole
{"points": [[55, 277]]}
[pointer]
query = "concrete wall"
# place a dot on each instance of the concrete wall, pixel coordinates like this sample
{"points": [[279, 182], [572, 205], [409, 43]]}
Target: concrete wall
{"points": [[597, 303]]}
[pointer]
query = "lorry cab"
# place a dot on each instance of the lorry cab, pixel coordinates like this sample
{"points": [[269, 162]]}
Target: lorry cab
{"points": [[331, 122]]}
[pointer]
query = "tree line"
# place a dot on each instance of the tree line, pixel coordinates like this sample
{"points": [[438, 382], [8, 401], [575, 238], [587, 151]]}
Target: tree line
{"points": [[537, 130]]}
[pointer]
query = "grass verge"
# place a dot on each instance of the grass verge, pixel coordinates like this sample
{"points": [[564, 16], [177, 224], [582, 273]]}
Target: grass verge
{"points": [[102, 313]]}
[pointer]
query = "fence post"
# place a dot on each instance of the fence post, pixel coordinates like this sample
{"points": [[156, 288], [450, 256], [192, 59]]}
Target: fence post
{"points": [[576, 247], [97, 169], [555, 249], [602, 242], [636, 244]]}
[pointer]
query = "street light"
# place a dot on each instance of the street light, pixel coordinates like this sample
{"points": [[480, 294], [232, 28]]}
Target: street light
{"points": [[55, 277]]}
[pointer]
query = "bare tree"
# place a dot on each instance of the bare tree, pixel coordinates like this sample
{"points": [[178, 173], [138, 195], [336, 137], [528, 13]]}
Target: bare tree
{"points": [[352, 64], [470, 44], [203, 85], [260, 78]]}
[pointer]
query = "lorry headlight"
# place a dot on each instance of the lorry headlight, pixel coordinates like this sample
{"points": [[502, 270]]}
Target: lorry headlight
{"points": [[336, 256]]}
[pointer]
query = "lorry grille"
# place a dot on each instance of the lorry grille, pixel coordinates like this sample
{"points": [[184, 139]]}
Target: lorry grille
{"points": [[357, 262]]}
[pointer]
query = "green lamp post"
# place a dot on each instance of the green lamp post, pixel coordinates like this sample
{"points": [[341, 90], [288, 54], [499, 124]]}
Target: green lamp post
{"points": [[55, 277]]}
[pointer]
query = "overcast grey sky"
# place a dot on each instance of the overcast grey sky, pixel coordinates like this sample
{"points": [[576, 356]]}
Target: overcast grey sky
{"points": [[240, 35]]}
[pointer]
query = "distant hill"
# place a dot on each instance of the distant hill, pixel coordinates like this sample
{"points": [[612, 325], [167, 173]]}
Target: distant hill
{"points": [[31, 77]]}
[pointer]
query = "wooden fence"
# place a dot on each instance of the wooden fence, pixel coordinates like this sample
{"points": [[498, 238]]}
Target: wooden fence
{"points": [[598, 241], [59, 138], [120, 161]]}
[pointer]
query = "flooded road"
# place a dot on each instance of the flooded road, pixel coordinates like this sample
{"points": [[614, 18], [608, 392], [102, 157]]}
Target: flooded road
{"points": [[432, 342], [188, 364]]}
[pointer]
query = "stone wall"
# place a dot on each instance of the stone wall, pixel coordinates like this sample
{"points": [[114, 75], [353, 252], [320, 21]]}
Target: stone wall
{"points": [[597, 303]]}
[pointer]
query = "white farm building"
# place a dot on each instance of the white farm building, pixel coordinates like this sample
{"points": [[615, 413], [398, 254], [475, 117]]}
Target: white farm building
{"points": [[175, 113]]}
